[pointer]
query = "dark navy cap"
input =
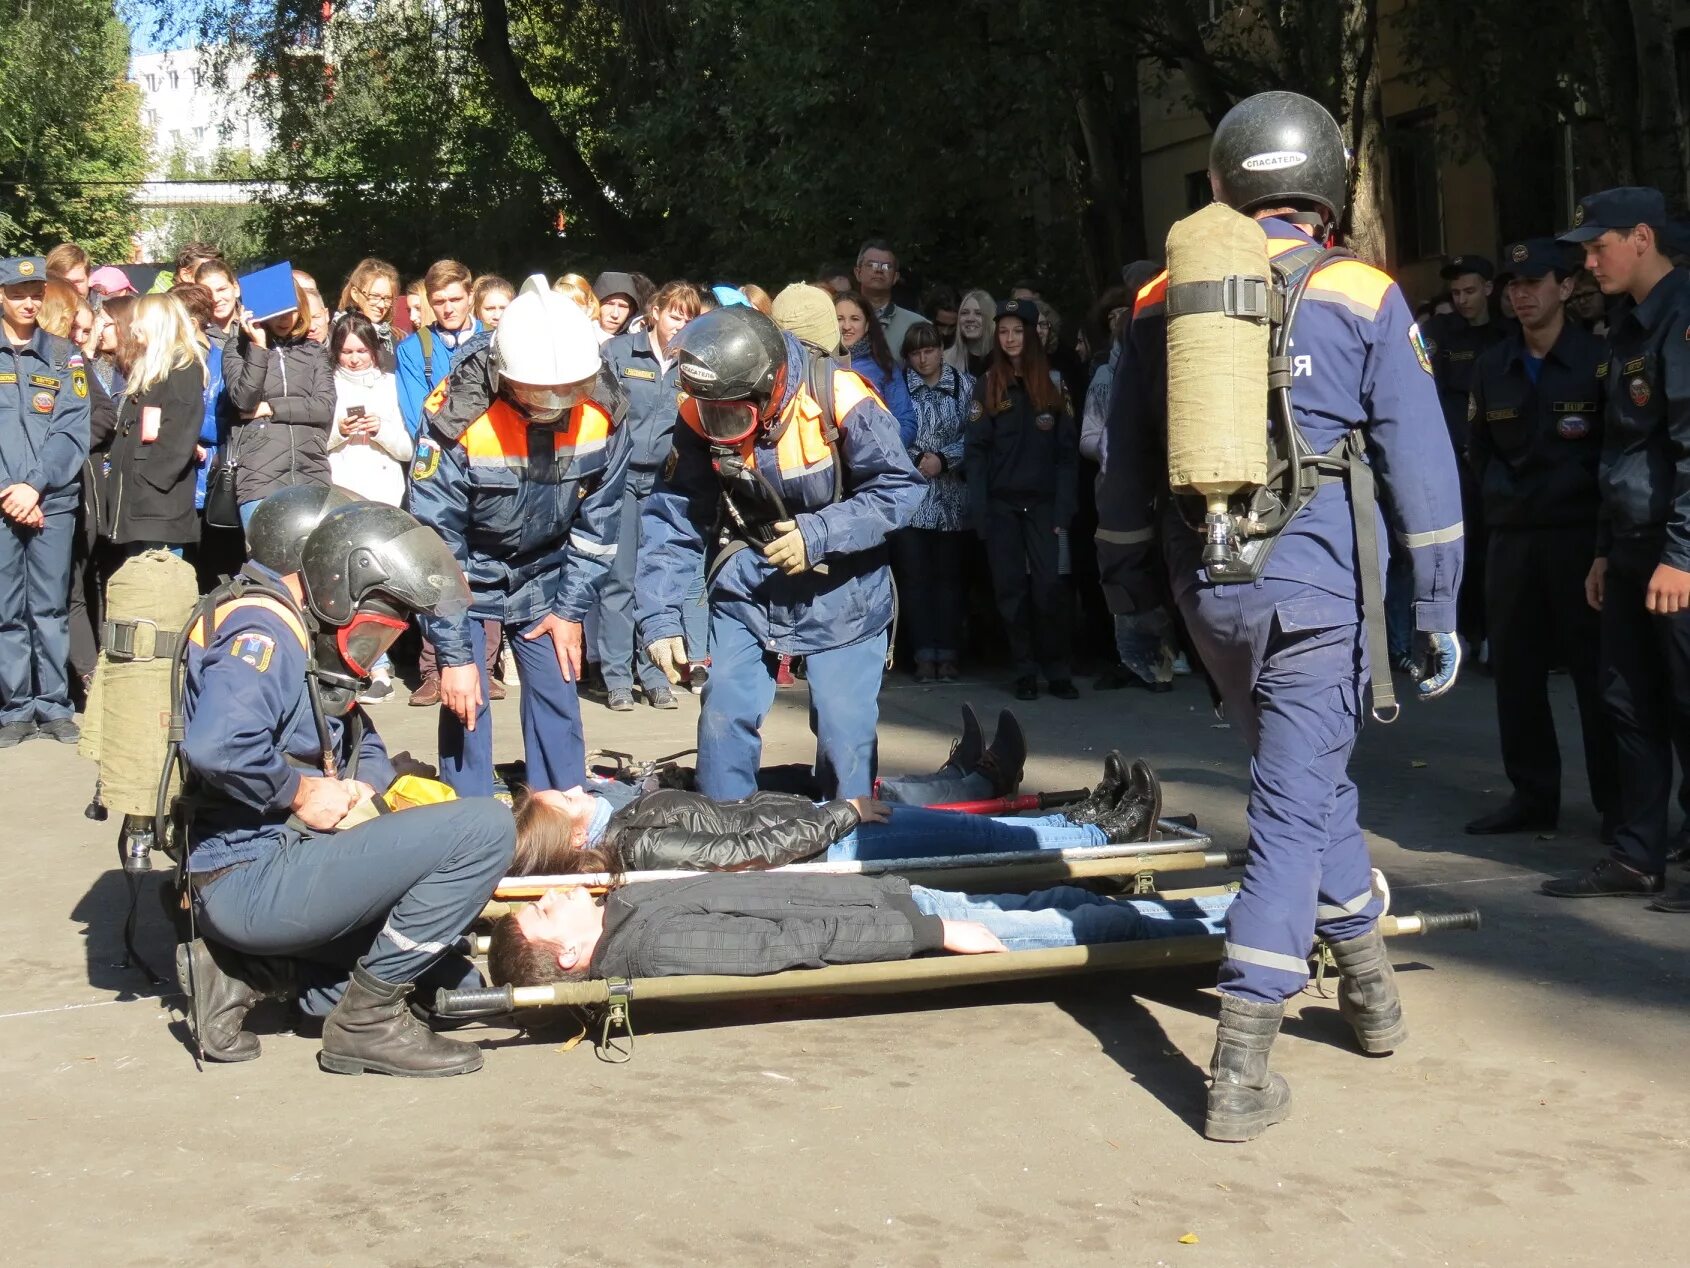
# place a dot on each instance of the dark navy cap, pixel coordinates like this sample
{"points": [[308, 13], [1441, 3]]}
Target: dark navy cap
{"points": [[1622, 208], [1025, 309], [23, 268], [1535, 258], [1468, 264]]}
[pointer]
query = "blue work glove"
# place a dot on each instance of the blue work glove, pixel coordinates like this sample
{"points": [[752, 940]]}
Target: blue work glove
{"points": [[1437, 661]]}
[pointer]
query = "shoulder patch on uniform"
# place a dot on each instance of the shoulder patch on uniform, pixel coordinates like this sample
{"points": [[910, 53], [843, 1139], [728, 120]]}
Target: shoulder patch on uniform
{"points": [[976, 411], [427, 461], [1472, 407], [255, 648], [79, 382], [1422, 352]]}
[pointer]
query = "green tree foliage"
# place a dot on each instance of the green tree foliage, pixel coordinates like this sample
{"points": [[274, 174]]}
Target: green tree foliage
{"points": [[70, 131]]}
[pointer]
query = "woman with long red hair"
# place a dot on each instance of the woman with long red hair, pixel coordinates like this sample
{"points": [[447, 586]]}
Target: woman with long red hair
{"points": [[1022, 461]]}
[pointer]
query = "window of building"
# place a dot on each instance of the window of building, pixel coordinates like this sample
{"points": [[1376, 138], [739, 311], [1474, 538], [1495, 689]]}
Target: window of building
{"points": [[1197, 191], [152, 83], [1411, 143], [175, 80]]}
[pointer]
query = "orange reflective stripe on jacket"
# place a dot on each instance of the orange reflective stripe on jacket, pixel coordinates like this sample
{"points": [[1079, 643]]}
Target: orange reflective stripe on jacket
{"points": [[499, 438], [263, 602]]}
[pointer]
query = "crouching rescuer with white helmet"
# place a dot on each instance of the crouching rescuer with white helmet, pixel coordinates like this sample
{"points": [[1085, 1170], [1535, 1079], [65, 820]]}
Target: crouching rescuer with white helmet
{"points": [[278, 753], [1273, 379], [521, 471]]}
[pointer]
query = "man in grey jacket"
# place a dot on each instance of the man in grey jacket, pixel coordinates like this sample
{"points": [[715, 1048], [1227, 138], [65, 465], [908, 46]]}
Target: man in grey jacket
{"points": [[748, 924]]}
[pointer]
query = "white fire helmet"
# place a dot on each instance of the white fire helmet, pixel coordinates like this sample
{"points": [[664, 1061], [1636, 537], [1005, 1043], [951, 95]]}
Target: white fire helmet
{"points": [[545, 352]]}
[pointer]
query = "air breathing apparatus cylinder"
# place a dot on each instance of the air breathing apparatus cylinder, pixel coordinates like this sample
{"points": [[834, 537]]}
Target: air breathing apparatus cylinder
{"points": [[126, 728], [1219, 275]]}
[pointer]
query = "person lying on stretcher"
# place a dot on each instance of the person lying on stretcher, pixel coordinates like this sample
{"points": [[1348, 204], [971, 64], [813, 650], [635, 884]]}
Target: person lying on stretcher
{"points": [[746, 926], [567, 833]]}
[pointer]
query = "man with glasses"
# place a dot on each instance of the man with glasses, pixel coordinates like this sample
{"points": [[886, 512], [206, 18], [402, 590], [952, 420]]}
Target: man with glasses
{"points": [[877, 273]]}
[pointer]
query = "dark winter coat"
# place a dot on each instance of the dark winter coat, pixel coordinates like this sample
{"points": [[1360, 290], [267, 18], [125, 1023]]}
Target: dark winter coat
{"points": [[291, 446], [150, 490], [749, 925]]}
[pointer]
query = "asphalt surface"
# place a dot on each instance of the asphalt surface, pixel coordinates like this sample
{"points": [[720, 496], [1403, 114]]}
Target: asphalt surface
{"points": [[1537, 1114]]}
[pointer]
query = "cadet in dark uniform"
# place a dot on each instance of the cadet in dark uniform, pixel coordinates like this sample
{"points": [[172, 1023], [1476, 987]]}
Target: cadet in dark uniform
{"points": [[1022, 455], [1455, 343], [43, 440], [1534, 441], [1640, 579]]}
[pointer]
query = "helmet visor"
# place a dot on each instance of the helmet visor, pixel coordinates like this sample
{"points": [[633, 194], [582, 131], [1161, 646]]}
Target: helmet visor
{"points": [[364, 640], [545, 403], [726, 422]]}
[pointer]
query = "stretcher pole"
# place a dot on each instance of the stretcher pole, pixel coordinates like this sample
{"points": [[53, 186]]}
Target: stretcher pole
{"points": [[895, 976], [1015, 805], [1177, 841], [969, 872]]}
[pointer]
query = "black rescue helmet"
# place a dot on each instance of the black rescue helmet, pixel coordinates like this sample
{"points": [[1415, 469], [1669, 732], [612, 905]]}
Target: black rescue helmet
{"points": [[281, 522], [730, 354], [1277, 148], [374, 552]]}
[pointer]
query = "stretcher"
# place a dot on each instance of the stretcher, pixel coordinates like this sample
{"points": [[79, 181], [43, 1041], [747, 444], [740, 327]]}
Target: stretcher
{"points": [[1175, 848], [613, 997]]}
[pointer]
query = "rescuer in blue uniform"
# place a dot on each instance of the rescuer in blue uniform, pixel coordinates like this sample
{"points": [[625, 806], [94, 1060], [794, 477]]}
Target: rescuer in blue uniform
{"points": [[788, 472], [278, 753], [1289, 650], [521, 471], [1640, 579], [1534, 438], [43, 440]]}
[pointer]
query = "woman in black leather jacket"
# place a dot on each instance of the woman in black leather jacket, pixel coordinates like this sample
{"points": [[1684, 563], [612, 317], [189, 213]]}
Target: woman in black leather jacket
{"points": [[672, 829]]}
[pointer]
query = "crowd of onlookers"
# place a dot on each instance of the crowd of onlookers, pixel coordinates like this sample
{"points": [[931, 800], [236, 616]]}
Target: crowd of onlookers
{"points": [[198, 410]]}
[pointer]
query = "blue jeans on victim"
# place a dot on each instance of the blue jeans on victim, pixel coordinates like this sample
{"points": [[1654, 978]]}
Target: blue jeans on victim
{"points": [[917, 833], [1067, 916]]}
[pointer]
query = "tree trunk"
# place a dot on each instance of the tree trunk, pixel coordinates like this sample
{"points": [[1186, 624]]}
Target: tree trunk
{"points": [[1660, 122], [587, 198], [1363, 118], [1109, 185]]}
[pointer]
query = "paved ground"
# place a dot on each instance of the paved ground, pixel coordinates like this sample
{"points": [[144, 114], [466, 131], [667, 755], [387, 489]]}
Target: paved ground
{"points": [[1538, 1115]]}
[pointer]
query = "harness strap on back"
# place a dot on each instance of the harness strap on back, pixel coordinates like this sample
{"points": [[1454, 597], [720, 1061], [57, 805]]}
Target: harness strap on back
{"points": [[1364, 507]]}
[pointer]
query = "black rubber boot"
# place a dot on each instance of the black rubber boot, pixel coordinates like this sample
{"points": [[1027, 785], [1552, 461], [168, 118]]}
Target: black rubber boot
{"points": [[1104, 794], [226, 986], [1139, 807], [372, 1029], [1245, 1098], [1367, 993]]}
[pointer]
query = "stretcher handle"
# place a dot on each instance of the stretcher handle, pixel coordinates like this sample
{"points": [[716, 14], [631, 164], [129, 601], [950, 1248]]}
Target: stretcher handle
{"points": [[478, 1001], [1440, 922]]}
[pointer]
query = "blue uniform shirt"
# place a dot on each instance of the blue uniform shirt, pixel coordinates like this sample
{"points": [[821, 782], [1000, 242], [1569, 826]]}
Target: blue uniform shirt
{"points": [[1358, 361], [43, 418], [531, 512], [651, 389], [814, 611], [251, 736]]}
